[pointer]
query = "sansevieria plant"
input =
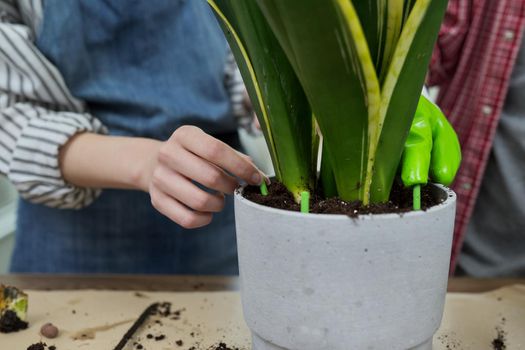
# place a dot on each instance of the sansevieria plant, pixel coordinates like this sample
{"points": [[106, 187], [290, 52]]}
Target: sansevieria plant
{"points": [[355, 68]]}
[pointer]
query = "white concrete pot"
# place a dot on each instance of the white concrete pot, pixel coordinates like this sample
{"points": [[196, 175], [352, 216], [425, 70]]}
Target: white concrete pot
{"points": [[312, 282]]}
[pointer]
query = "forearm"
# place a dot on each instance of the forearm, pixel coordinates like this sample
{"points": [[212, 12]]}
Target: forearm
{"points": [[101, 161], [38, 114], [166, 170]]}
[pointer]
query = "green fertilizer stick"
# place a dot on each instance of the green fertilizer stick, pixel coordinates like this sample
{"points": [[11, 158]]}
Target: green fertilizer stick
{"points": [[417, 197], [305, 202], [264, 189]]}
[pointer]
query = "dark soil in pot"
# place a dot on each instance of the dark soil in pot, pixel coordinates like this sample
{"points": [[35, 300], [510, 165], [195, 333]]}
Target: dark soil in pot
{"points": [[400, 201]]}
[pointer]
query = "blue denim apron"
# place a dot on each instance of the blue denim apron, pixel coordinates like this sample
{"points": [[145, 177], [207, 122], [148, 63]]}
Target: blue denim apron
{"points": [[144, 68]]}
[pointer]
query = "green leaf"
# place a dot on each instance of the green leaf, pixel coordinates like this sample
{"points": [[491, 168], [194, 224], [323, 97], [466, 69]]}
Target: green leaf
{"points": [[402, 89], [409, 5], [373, 18], [326, 177], [360, 65], [355, 37], [395, 12], [338, 83], [275, 91], [341, 51], [316, 142]]}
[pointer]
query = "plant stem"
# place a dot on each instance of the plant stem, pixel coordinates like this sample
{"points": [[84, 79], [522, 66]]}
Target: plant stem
{"points": [[417, 197], [305, 202], [264, 189]]}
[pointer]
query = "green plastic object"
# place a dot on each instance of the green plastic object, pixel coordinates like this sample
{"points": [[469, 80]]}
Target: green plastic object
{"points": [[432, 148], [264, 189], [305, 202], [417, 197]]}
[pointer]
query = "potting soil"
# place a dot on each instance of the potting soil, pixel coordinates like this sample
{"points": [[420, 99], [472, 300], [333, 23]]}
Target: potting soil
{"points": [[400, 201]]}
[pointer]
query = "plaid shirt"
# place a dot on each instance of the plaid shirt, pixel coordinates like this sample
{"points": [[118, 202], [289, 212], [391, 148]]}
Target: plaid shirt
{"points": [[472, 64]]}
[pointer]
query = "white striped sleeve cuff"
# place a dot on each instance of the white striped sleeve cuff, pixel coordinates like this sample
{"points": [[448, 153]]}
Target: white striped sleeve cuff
{"points": [[30, 141], [38, 114]]}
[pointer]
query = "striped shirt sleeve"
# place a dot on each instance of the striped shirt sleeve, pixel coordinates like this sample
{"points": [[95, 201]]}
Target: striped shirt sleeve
{"points": [[38, 114]]}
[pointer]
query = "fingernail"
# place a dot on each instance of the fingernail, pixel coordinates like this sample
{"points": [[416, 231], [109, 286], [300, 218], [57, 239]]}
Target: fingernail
{"points": [[256, 178]]}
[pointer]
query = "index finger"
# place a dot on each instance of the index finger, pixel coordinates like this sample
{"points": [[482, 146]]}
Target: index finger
{"points": [[222, 155]]}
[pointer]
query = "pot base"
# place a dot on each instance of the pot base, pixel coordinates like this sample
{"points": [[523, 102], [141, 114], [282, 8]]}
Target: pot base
{"points": [[259, 343]]}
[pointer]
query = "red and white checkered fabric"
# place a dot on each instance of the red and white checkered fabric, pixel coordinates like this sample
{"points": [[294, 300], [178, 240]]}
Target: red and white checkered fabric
{"points": [[472, 63]]}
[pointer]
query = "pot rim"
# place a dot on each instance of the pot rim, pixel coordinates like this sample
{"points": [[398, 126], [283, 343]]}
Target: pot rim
{"points": [[450, 200]]}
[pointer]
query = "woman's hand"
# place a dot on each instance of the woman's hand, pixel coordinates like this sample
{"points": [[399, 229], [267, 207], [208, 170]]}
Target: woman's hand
{"points": [[192, 155], [164, 169]]}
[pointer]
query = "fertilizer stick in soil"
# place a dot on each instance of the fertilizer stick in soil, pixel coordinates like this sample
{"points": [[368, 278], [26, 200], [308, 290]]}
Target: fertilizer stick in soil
{"points": [[417, 197], [264, 189], [305, 202]]}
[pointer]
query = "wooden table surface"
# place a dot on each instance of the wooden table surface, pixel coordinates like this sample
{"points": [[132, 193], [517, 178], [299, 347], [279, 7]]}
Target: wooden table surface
{"points": [[190, 283]]}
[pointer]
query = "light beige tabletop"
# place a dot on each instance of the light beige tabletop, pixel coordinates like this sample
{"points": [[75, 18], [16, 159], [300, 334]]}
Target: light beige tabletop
{"points": [[90, 316]]}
